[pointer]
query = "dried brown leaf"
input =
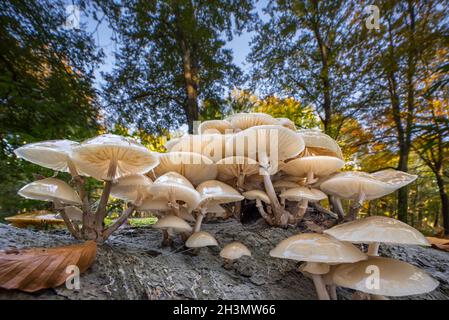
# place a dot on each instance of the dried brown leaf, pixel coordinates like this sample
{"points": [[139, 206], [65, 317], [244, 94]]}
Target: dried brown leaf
{"points": [[34, 269]]}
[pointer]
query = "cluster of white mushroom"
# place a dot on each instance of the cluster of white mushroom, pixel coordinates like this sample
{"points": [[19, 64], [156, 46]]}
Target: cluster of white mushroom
{"points": [[250, 156]]}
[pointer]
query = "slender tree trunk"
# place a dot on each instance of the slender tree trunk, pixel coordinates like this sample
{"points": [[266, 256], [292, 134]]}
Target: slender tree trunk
{"points": [[191, 108], [444, 203]]}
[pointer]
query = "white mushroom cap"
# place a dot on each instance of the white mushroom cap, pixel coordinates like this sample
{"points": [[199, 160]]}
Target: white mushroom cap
{"points": [[209, 145], [395, 177], [316, 139], [234, 250], [170, 143], [215, 126], [174, 223], [201, 239], [194, 166], [257, 194], [151, 204], [94, 156], [74, 213], [268, 144], [174, 185], [313, 247], [215, 208], [232, 167], [348, 185], [378, 229], [244, 121], [286, 122], [52, 154], [284, 184], [319, 165], [217, 192], [303, 193], [132, 187], [396, 278], [50, 189]]}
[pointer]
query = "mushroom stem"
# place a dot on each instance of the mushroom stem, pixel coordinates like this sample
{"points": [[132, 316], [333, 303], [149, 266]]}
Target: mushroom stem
{"points": [[101, 211], [73, 228], [166, 240], [320, 287], [310, 178], [355, 207], [373, 249], [336, 202], [118, 222], [320, 208], [333, 292], [262, 212], [199, 219], [281, 217], [302, 208]]}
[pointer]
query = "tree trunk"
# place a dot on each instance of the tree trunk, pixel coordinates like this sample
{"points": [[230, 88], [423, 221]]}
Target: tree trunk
{"points": [[191, 108], [444, 203]]}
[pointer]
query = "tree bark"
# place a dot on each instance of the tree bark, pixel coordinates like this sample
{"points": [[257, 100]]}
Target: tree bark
{"points": [[444, 203]]}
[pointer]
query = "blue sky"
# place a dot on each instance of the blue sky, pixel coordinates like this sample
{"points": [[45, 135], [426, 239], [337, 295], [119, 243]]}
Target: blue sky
{"points": [[102, 35]]}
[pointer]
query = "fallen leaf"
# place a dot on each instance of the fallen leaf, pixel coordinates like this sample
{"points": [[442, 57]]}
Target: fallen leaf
{"points": [[34, 269], [439, 243]]}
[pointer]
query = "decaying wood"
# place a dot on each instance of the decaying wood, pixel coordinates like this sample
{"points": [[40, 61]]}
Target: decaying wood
{"points": [[133, 265]]}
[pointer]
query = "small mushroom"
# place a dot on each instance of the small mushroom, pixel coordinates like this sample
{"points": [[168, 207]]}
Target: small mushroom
{"points": [[133, 188], [317, 249], [175, 188], [74, 213], [50, 189], [214, 192], [380, 276], [313, 167], [376, 229], [169, 225], [302, 195], [260, 196], [237, 168], [319, 144], [109, 157], [233, 251], [201, 239]]}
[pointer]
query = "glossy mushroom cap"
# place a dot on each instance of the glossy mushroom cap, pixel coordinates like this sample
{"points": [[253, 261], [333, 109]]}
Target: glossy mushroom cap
{"points": [[313, 247], [348, 185], [151, 204], [396, 278], [316, 140], [378, 229], [257, 194], [267, 144], [395, 177], [233, 167], [234, 250], [52, 154], [50, 189], [319, 165], [244, 121], [303, 193], [74, 213], [174, 185], [194, 166], [286, 122], [215, 126], [174, 223], [94, 157], [201, 239], [217, 192], [132, 187], [284, 184], [209, 145]]}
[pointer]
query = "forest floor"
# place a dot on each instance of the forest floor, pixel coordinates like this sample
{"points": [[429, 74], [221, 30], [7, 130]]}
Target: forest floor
{"points": [[133, 265]]}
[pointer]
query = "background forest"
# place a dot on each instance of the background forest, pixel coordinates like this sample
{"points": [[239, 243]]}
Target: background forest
{"points": [[382, 93]]}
